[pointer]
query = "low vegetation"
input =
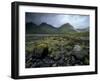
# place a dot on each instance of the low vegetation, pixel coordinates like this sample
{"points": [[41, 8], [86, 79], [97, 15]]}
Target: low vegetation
{"points": [[68, 49]]}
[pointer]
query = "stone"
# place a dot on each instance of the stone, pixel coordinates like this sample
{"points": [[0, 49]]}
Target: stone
{"points": [[38, 63], [57, 55], [77, 52], [48, 60], [77, 48], [60, 62], [72, 61], [54, 65]]}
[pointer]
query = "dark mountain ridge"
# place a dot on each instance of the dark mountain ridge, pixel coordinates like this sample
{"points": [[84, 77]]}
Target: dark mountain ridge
{"points": [[44, 28]]}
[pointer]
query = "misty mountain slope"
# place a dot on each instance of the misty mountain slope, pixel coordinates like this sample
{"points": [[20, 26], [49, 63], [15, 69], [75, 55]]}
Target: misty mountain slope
{"points": [[83, 30]]}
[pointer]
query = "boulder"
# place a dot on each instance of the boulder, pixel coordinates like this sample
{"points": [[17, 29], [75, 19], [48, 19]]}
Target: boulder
{"points": [[77, 48], [77, 52]]}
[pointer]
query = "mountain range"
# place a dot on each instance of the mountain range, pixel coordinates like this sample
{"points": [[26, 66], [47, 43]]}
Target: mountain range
{"points": [[45, 28]]}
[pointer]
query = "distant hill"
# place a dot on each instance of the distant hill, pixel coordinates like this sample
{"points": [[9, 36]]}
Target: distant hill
{"points": [[83, 30], [45, 28], [66, 28]]}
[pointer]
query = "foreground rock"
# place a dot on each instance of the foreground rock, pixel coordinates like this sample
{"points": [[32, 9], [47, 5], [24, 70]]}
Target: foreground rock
{"points": [[41, 58]]}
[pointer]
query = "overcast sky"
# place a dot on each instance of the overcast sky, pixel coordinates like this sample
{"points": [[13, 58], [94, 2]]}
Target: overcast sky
{"points": [[56, 20]]}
